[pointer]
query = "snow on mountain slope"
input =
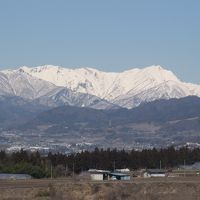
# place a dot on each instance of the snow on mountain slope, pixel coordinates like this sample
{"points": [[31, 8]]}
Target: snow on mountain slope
{"points": [[165, 90], [19, 83], [127, 89], [107, 85], [85, 80], [62, 96]]}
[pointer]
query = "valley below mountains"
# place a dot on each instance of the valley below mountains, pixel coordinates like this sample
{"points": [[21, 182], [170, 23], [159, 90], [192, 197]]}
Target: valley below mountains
{"points": [[53, 108]]}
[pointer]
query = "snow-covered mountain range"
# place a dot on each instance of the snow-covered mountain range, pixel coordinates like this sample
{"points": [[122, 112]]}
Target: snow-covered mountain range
{"points": [[53, 86]]}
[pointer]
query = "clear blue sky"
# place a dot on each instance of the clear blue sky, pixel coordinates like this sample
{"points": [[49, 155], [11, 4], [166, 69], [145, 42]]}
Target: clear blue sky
{"points": [[110, 35]]}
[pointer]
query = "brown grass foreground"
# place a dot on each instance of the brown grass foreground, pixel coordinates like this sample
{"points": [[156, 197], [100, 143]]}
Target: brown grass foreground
{"points": [[137, 189]]}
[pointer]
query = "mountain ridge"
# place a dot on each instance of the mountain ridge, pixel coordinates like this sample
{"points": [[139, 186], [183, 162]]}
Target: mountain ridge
{"points": [[127, 89]]}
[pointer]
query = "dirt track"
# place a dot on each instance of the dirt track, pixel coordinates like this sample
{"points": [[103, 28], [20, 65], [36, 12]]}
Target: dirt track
{"points": [[141, 189]]}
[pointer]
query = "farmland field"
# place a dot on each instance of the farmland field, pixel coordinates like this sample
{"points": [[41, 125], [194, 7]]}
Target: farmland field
{"points": [[70, 189]]}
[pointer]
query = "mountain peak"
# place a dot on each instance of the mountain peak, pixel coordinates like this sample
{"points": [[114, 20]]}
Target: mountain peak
{"points": [[160, 74], [155, 67]]}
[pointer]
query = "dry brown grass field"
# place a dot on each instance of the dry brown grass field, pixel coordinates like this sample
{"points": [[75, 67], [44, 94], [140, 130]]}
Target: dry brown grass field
{"points": [[69, 189]]}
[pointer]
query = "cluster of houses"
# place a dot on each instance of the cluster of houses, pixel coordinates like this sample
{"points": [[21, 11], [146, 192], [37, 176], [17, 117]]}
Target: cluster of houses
{"points": [[124, 174]]}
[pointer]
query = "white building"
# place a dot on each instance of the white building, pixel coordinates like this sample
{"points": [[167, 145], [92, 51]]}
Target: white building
{"points": [[97, 177], [155, 173]]}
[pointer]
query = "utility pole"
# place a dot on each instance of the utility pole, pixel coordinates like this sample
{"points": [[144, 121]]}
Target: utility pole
{"points": [[51, 171], [73, 169], [184, 167], [160, 164], [114, 166], [66, 169]]}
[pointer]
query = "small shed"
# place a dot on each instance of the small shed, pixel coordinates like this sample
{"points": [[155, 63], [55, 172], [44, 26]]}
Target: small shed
{"points": [[155, 173], [98, 175]]}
